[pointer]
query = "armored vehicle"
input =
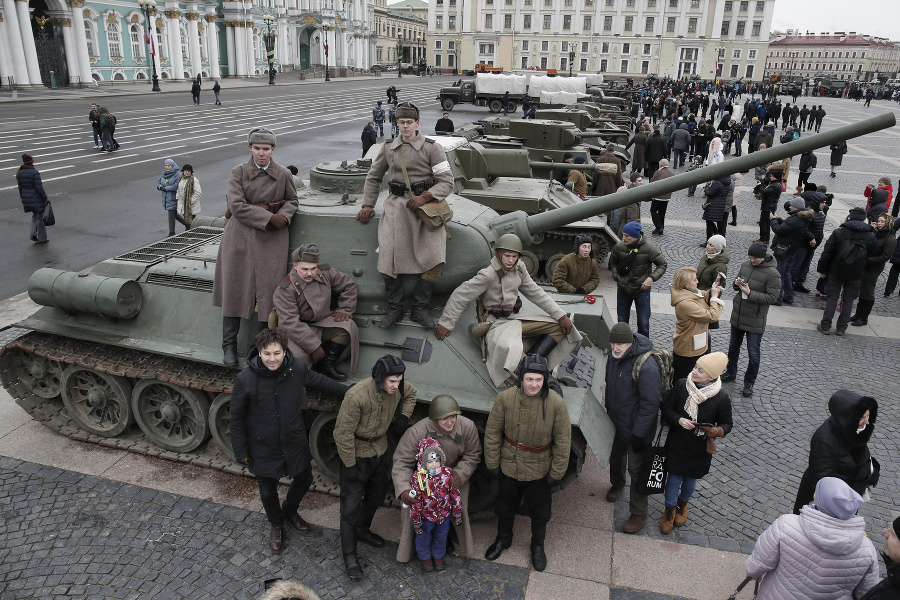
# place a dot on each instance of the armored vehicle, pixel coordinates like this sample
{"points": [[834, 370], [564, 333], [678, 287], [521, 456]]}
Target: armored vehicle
{"points": [[135, 339]]}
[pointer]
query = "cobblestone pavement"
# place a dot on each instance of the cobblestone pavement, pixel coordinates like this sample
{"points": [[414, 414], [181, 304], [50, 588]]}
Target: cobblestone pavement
{"points": [[757, 470], [68, 535]]}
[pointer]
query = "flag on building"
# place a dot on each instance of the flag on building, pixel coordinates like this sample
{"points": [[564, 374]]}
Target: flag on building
{"points": [[151, 39]]}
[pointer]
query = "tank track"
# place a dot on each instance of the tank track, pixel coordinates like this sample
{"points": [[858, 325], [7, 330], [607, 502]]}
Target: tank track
{"points": [[134, 364]]}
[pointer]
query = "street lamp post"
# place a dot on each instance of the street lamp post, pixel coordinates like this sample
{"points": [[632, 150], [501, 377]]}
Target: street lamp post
{"points": [[269, 41], [424, 57], [571, 56], [325, 29], [399, 56], [149, 9], [456, 50]]}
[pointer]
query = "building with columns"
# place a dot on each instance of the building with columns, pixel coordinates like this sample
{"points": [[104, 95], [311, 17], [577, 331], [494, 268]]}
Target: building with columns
{"points": [[841, 56], [618, 38], [82, 41]]}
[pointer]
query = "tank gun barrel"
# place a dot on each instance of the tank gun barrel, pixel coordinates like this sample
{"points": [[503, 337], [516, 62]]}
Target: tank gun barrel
{"points": [[539, 164], [553, 219]]}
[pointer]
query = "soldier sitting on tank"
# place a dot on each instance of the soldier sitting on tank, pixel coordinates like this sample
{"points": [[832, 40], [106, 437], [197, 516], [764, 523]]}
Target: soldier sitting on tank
{"points": [[378, 117], [419, 173], [577, 272], [318, 334], [497, 288]]}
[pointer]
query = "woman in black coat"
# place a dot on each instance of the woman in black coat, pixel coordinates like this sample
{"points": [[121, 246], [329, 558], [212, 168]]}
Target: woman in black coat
{"points": [[268, 433], [714, 213], [34, 198], [697, 411], [838, 150], [885, 245], [840, 446]]}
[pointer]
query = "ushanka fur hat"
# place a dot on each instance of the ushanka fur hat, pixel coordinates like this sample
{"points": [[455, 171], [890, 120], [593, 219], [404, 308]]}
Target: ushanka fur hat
{"points": [[307, 253], [407, 110], [261, 135]]}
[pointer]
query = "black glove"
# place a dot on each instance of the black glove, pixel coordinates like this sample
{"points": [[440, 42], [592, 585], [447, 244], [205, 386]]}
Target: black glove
{"points": [[400, 424], [495, 472], [580, 291], [549, 480], [638, 444]]}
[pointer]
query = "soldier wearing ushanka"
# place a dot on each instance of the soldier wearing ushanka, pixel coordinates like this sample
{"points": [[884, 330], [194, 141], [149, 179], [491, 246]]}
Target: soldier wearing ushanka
{"points": [[418, 173]]}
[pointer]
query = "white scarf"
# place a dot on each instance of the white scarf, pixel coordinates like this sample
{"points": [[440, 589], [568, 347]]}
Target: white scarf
{"points": [[697, 396]]}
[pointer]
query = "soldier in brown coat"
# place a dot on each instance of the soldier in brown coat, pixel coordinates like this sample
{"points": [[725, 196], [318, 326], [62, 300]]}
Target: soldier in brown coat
{"points": [[607, 184], [405, 245], [251, 258], [318, 335]]}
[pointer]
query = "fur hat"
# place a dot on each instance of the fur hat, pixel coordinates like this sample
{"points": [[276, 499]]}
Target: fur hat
{"points": [[621, 333], [27, 159], [187, 167], [837, 499], [757, 250], [285, 590], [713, 363], [633, 229], [308, 253], [407, 110], [260, 135]]}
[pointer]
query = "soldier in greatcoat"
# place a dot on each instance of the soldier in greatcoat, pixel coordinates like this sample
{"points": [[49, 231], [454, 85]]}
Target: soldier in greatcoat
{"points": [[607, 184], [405, 245], [458, 438], [497, 287], [318, 334], [251, 259]]}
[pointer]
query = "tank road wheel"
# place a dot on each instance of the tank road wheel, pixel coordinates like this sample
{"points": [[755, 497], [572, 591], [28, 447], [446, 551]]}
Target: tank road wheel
{"points": [[99, 402], [550, 267], [220, 423], [601, 249], [173, 417], [531, 262], [39, 374], [323, 446], [447, 103], [495, 106]]}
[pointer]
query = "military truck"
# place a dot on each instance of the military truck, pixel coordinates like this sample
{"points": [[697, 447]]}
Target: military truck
{"points": [[489, 90]]}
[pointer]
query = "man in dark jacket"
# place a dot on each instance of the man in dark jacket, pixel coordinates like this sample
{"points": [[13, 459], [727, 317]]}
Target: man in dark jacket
{"points": [[889, 587], [769, 192], [94, 118], [660, 203], [794, 234], [818, 203], [632, 263], [444, 124], [633, 407], [804, 115], [681, 143], [843, 246], [267, 429], [656, 150], [714, 214], [758, 283], [368, 137]]}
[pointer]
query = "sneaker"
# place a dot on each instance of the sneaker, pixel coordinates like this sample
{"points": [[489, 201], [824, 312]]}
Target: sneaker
{"points": [[823, 330]]}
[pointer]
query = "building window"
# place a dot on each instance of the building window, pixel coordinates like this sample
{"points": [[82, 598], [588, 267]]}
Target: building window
{"points": [[488, 21], [486, 49], [734, 70], [603, 64], [563, 64], [565, 46], [437, 60], [567, 22], [607, 23], [648, 26], [507, 21], [651, 3], [525, 45], [629, 3], [726, 25], [692, 25], [744, 5], [751, 54], [587, 24], [114, 40], [583, 66], [629, 21], [439, 22], [137, 42], [610, 2], [854, 55], [543, 62], [490, 2], [760, 7], [740, 27], [646, 49], [524, 62], [736, 54], [546, 21], [437, 44], [163, 48], [584, 47], [695, 3], [728, 6], [721, 53], [673, 3], [184, 43], [645, 66], [527, 22], [545, 46], [623, 68], [451, 22], [670, 24], [626, 48], [757, 27]]}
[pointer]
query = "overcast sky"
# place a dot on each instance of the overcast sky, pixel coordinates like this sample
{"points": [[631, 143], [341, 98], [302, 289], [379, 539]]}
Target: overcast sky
{"points": [[871, 17]]}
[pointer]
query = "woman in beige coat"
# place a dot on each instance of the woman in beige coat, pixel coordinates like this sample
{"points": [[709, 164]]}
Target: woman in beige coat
{"points": [[187, 197], [694, 311]]}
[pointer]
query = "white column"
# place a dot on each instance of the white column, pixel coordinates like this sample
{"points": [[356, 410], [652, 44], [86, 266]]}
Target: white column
{"points": [[83, 67], [6, 69], [14, 39], [240, 51], [174, 31], [248, 48], [31, 61], [212, 42], [68, 44], [230, 49], [194, 44], [284, 53]]}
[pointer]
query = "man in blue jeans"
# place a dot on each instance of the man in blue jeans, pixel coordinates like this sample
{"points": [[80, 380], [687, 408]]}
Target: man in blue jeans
{"points": [[793, 233], [758, 284], [635, 264]]}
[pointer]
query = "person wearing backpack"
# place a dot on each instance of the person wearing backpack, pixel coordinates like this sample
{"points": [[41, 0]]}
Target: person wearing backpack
{"points": [[107, 129], [632, 404], [843, 260]]}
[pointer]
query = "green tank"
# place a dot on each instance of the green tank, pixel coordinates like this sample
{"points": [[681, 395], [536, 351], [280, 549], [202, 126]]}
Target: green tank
{"points": [[135, 338]]}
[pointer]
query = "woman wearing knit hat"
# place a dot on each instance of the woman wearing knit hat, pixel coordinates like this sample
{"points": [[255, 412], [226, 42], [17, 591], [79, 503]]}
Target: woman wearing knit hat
{"points": [[34, 198], [167, 183], [713, 262], [697, 411]]}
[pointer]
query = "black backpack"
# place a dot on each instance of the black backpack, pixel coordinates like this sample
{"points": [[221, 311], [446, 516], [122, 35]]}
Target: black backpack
{"points": [[851, 258]]}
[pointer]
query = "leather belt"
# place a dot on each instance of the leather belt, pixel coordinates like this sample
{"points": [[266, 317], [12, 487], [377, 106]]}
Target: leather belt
{"points": [[526, 447], [370, 440]]}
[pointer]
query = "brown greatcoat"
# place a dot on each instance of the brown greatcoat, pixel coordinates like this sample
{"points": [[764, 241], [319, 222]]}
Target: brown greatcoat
{"points": [[463, 451], [607, 184], [404, 244], [574, 272], [637, 155], [662, 173], [579, 182], [304, 309], [252, 256]]}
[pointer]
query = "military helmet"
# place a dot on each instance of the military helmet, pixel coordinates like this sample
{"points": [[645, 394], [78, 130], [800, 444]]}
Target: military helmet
{"points": [[443, 406], [509, 241]]}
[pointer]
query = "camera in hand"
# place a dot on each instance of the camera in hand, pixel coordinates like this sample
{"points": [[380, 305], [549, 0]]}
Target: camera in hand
{"points": [[700, 433]]}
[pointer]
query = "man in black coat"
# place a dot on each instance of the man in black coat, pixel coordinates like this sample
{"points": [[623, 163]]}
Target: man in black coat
{"points": [[444, 124], [368, 137], [793, 233], [656, 150], [267, 429], [768, 191]]}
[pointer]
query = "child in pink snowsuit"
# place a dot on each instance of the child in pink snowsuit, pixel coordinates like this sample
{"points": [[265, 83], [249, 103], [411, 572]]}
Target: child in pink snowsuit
{"points": [[435, 501]]}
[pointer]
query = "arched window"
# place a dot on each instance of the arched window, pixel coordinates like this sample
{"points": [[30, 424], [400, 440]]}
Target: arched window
{"points": [[91, 35], [162, 45], [185, 54], [114, 40], [137, 41], [256, 49]]}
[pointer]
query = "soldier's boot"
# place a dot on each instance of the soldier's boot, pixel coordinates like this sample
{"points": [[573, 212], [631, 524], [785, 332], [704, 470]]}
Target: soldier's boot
{"points": [[332, 356], [680, 513], [733, 215], [230, 328], [538, 557], [363, 526], [348, 548], [394, 291], [421, 296], [543, 346]]}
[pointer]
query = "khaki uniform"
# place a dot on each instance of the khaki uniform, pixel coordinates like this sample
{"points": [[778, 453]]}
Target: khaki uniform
{"points": [[252, 257], [405, 246], [574, 272], [496, 287], [463, 451], [364, 418], [580, 182], [304, 311]]}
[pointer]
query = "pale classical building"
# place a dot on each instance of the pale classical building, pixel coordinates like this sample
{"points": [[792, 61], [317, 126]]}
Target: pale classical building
{"points": [[101, 40], [619, 38], [400, 27], [839, 55]]}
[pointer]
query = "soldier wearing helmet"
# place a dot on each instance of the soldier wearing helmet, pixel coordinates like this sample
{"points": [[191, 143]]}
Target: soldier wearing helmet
{"points": [[497, 288], [369, 409], [458, 437]]}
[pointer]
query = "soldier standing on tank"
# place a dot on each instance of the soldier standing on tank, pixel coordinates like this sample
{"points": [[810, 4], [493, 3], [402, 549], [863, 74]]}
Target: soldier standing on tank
{"points": [[406, 246], [378, 117], [458, 438], [250, 262], [497, 288], [318, 335], [368, 410], [527, 442]]}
